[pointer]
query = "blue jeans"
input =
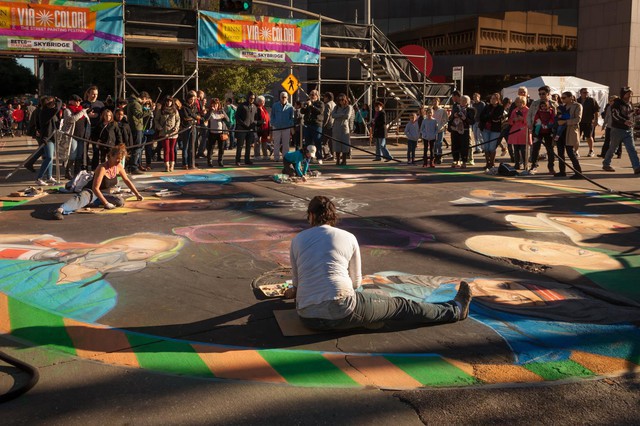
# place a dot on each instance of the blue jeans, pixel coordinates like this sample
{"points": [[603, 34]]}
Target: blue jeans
{"points": [[373, 308], [201, 141], [626, 137], [490, 140], [187, 151], [479, 137], [136, 153], [148, 149], [87, 198], [313, 136], [411, 150], [438, 144], [381, 149], [46, 168], [232, 137]]}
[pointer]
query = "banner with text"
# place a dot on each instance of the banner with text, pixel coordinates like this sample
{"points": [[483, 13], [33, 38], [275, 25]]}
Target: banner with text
{"points": [[258, 38], [61, 27]]}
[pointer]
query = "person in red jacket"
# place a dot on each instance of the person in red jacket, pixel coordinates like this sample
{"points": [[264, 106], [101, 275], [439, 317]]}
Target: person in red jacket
{"points": [[18, 119], [263, 121], [543, 122]]}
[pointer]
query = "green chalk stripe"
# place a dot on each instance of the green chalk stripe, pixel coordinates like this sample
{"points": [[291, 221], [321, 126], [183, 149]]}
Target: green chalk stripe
{"points": [[432, 370], [306, 368], [168, 356], [7, 205], [558, 370], [39, 326]]}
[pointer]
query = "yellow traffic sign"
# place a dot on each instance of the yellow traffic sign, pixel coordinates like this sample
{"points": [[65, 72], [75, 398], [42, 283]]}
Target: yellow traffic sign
{"points": [[291, 84]]}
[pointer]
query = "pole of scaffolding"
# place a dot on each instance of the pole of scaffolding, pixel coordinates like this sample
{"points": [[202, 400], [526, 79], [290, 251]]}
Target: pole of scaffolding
{"points": [[368, 21]]}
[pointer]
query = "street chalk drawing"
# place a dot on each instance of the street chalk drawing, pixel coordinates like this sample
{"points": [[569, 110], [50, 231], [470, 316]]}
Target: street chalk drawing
{"points": [[186, 179], [272, 240], [541, 252], [541, 321], [347, 205], [535, 318], [69, 278], [580, 229]]}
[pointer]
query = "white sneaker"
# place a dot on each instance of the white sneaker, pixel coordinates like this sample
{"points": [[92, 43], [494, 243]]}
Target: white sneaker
{"points": [[319, 161], [52, 181], [591, 154], [41, 182]]}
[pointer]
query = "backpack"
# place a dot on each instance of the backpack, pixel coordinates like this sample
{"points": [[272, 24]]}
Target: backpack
{"points": [[78, 183]]}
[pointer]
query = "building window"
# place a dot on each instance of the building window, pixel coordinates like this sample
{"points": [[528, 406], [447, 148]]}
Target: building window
{"points": [[493, 35], [522, 38], [492, 50]]}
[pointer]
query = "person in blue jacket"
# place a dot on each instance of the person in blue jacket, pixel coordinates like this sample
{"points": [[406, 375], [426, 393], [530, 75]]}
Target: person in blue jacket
{"points": [[296, 163]]}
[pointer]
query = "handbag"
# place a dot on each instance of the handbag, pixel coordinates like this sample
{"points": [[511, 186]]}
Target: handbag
{"points": [[224, 137]]}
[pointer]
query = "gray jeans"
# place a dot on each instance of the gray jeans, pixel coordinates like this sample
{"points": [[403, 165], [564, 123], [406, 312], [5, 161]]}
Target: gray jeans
{"points": [[373, 308]]}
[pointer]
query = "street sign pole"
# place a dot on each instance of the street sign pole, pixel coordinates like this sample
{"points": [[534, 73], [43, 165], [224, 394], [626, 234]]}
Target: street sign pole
{"points": [[458, 75]]}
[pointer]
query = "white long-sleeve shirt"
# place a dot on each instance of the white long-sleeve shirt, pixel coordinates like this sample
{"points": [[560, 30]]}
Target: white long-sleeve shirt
{"points": [[326, 267]]}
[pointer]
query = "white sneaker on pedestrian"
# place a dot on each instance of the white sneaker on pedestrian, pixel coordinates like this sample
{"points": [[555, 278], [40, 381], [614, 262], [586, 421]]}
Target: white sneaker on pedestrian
{"points": [[591, 154], [319, 161], [52, 181], [41, 182]]}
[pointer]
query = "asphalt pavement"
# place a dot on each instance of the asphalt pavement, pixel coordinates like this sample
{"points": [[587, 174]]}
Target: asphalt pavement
{"points": [[183, 335]]}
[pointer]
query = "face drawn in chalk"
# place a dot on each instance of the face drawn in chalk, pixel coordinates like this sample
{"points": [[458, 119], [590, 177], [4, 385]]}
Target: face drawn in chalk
{"points": [[208, 189], [272, 241], [237, 232], [577, 228], [502, 199], [262, 240], [506, 292], [342, 204], [545, 322], [541, 252], [321, 183], [69, 278]]}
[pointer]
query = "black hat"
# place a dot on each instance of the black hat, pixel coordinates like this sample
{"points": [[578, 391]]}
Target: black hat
{"points": [[75, 98]]}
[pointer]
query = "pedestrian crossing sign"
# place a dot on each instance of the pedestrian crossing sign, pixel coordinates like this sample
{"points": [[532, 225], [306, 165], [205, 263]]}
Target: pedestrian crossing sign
{"points": [[291, 84]]}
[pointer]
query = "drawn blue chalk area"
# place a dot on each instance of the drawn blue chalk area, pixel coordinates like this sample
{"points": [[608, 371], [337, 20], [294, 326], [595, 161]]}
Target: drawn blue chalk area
{"points": [[183, 180]]}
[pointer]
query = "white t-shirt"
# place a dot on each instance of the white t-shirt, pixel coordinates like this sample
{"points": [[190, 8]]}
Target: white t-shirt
{"points": [[326, 267]]}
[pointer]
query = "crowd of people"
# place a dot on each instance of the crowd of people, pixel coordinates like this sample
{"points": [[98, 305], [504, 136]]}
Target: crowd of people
{"points": [[559, 122], [14, 115], [86, 128], [196, 127]]}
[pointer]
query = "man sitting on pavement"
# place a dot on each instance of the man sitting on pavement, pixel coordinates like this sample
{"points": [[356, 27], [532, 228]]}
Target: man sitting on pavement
{"points": [[326, 271]]}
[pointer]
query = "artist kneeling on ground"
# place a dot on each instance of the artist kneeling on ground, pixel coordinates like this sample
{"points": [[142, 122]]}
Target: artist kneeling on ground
{"points": [[296, 163], [104, 179], [325, 265]]}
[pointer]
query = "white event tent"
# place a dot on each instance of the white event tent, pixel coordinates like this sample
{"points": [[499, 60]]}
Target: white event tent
{"points": [[558, 85]]}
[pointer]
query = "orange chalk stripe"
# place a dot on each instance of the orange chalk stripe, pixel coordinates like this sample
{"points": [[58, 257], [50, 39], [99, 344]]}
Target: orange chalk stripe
{"points": [[101, 343], [373, 371], [5, 321], [239, 364], [601, 364]]}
